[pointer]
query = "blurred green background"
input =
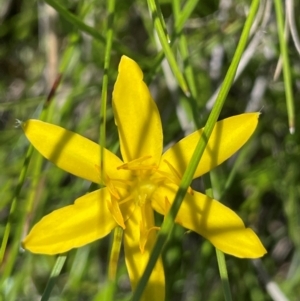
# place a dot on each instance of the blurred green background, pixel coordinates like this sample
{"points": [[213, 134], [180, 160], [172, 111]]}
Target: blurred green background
{"points": [[261, 183]]}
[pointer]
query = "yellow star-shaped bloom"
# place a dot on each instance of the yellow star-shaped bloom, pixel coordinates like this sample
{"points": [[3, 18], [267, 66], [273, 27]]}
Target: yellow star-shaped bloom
{"points": [[142, 181]]}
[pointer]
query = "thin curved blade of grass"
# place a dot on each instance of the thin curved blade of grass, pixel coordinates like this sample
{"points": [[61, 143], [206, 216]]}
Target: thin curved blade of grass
{"points": [[187, 68], [54, 274], [14, 201], [114, 253], [292, 23], [117, 237], [21, 181], [286, 66], [220, 255], [73, 19], [108, 46], [191, 81], [185, 13], [164, 40], [224, 275], [168, 223]]}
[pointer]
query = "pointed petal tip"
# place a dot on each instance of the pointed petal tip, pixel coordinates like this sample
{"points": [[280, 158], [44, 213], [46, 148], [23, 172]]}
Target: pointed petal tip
{"points": [[125, 57], [247, 245], [29, 244], [214, 221], [228, 136], [73, 226], [130, 67], [136, 114]]}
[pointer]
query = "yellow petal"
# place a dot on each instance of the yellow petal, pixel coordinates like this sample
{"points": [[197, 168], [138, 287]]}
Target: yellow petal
{"points": [[228, 136], [70, 151], [214, 221], [136, 114], [136, 261], [72, 226]]}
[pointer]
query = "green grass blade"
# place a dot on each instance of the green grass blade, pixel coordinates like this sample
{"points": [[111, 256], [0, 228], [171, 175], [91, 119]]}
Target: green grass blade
{"points": [[224, 275], [14, 202], [117, 237], [107, 55], [86, 28], [220, 255], [187, 68], [76, 21], [184, 14], [21, 180], [114, 253], [54, 274], [164, 40], [286, 66], [189, 173]]}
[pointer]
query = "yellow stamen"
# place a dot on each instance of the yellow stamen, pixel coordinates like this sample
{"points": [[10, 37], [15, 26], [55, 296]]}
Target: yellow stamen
{"points": [[113, 191], [137, 164], [115, 211], [144, 233], [128, 198]]}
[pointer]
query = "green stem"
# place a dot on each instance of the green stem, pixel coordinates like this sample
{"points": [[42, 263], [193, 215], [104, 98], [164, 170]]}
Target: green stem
{"points": [[73, 19], [224, 275], [117, 238], [114, 253], [107, 54], [220, 255], [54, 274], [165, 43], [168, 223], [20, 183], [286, 66]]}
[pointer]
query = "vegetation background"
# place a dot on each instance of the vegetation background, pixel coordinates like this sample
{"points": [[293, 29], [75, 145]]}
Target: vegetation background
{"points": [[40, 45]]}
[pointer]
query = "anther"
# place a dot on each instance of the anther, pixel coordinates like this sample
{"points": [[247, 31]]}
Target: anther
{"points": [[137, 164], [113, 191]]}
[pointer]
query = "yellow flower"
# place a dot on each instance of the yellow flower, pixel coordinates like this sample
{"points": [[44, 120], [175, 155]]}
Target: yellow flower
{"points": [[143, 181]]}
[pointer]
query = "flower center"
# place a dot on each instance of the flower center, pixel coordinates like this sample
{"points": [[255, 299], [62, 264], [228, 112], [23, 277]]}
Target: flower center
{"points": [[135, 194], [137, 191], [142, 182], [143, 191]]}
